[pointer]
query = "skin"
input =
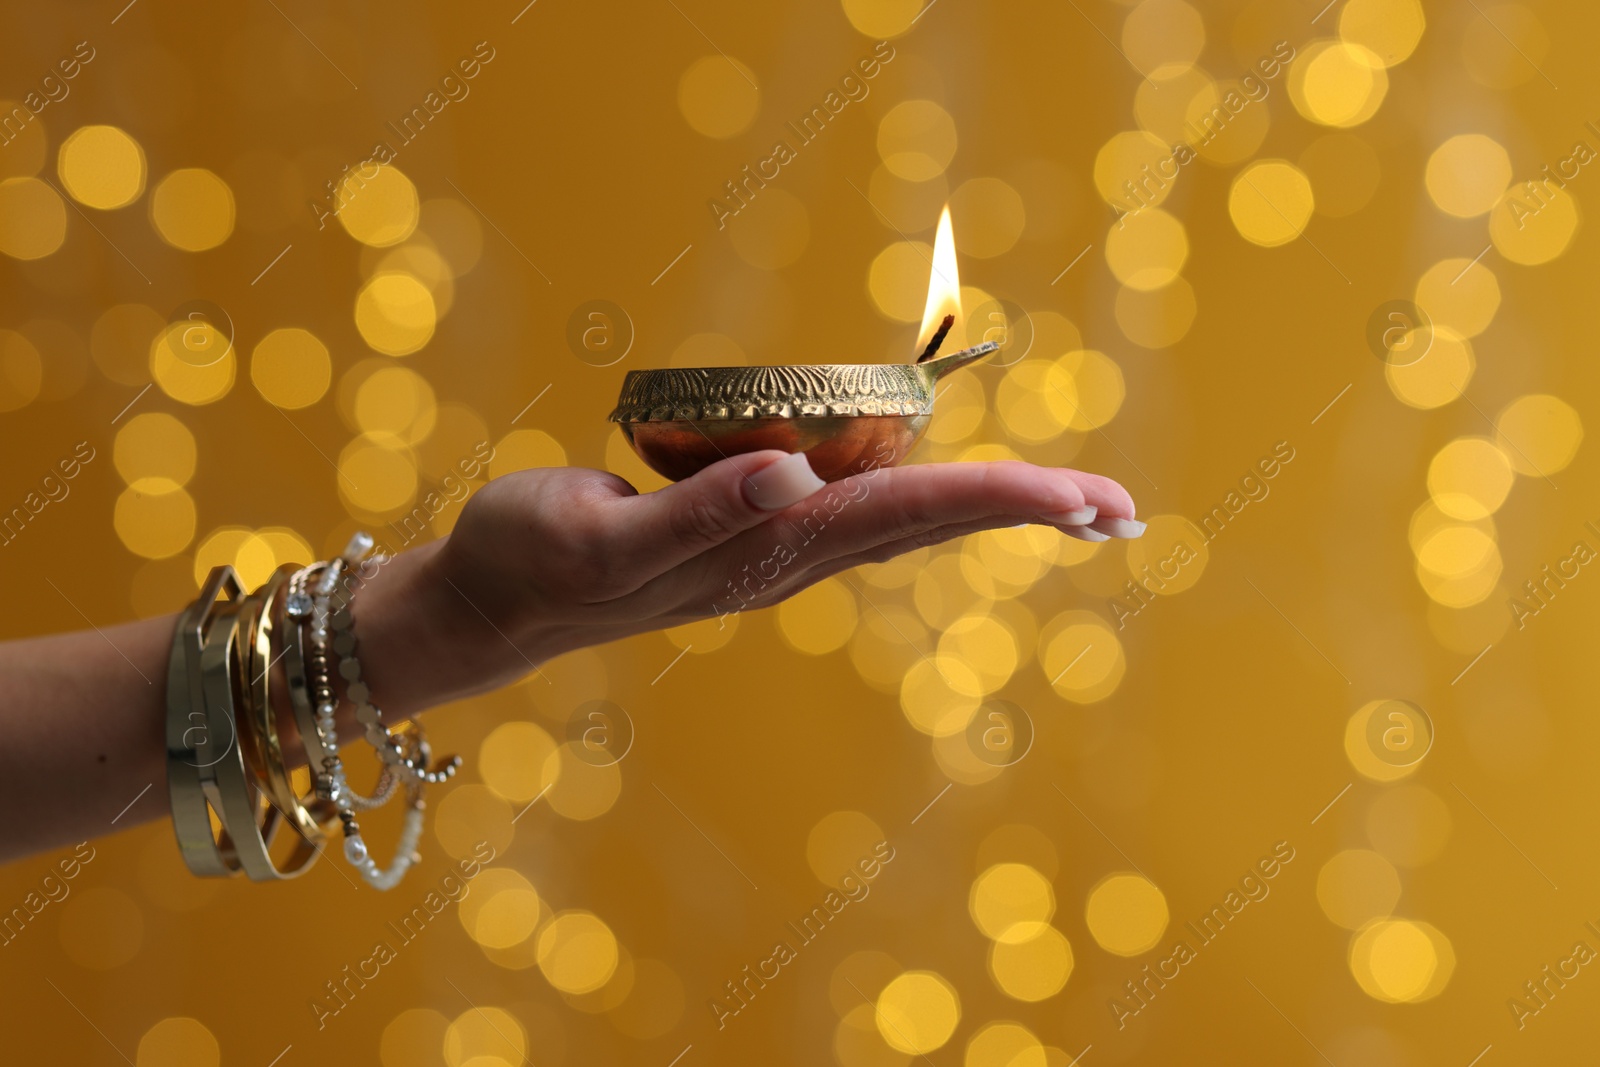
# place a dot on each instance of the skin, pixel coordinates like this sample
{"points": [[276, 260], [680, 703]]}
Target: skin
{"points": [[540, 562]]}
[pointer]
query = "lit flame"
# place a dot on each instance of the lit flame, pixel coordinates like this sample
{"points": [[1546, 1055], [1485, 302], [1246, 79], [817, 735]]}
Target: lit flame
{"points": [[944, 292]]}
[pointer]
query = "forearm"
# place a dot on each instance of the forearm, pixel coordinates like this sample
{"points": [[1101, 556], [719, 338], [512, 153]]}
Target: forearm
{"points": [[84, 713]]}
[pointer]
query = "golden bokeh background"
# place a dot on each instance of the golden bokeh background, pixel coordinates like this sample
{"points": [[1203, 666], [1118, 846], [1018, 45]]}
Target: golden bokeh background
{"points": [[1310, 279]]}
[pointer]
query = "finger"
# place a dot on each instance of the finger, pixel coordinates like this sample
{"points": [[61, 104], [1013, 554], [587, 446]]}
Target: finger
{"points": [[1108, 498], [884, 506], [681, 521]]}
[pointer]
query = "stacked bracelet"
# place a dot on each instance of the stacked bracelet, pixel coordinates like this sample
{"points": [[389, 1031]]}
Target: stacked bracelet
{"points": [[232, 792]]}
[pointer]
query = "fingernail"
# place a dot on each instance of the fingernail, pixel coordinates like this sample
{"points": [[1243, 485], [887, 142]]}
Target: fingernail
{"points": [[1081, 517], [777, 485], [1118, 527], [1084, 533]]}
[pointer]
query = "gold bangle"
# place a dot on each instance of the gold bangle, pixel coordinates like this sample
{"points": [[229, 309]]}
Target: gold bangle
{"points": [[250, 818], [189, 739], [309, 816]]}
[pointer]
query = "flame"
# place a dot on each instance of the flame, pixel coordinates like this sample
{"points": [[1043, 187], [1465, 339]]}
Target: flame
{"points": [[944, 292]]}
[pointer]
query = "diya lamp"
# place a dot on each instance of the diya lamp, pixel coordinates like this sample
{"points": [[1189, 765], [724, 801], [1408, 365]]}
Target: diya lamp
{"points": [[846, 417]]}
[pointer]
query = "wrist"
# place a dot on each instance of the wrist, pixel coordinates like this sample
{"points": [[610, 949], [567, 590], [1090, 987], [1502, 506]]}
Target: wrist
{"points": [[422, 643]]}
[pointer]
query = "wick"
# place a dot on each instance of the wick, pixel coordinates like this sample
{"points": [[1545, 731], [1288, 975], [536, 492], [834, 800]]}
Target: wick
{"points": [[938, 339]]}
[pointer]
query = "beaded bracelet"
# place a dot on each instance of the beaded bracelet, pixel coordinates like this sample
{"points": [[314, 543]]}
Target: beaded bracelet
{"points": [[231, 790]]}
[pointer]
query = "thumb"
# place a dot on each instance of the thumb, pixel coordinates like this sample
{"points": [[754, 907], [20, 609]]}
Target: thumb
{"points": [[677, 523]]}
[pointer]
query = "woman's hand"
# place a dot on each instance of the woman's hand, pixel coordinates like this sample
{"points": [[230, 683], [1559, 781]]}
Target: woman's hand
{"points": [[545, 561]]}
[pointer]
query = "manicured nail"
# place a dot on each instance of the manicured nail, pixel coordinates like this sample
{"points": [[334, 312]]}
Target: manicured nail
{"points": [[1084, 533], [777, 485], [1118, 527], [1081, 517]]}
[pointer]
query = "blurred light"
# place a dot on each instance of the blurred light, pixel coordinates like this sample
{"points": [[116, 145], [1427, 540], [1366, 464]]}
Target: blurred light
{"points": [[192, 209], [1163, 38], [1400, 961], [1468, 174], [939, 696], [154, 518], [1014, 556], [985, 644], [21, 371], [960, 410], [154, 445], [178, 1041], [485, 1032], [395, 314], [1357, 886], [414, 1038], [1227, 122], [1005, 1045], [577, 952], [718, 96], [290, 368], [989, 217], [708, 350], [863, 973], [1036, 400], [1344, 171], [500, 910], [1271, 202], [1126, 914], [1539, 434], [1131, 170], [1409, 825], [917, 1012], [898, 280], [839, 842], [518, 761], [583, 790], [882, 19], [819, 619], [1167, 106], [1440, 376], [101, 167], [1157, 319], [1360, 732], [1460, 295], [1469, 478], [772, 232], [1337, 84], [420, 259], [1099, 389], [1148, 249], [917, 140], [396, 402], [185, 364], [1534, 223], [379, 211], [1389, 29], [1169, 558], [376, 477], [33, 218], [1008, 898], [1081, 656]]}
